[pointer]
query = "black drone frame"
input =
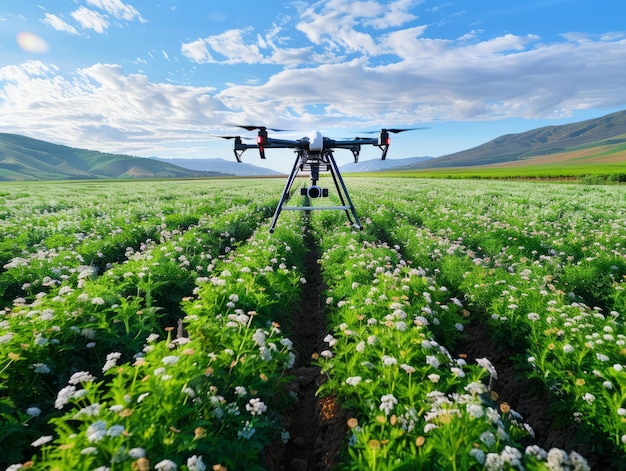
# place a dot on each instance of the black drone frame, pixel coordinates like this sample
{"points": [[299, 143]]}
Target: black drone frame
{"points": [[314, 153]]}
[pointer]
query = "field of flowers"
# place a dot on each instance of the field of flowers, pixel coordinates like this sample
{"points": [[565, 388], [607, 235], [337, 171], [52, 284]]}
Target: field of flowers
{"points": [[150, 325]]}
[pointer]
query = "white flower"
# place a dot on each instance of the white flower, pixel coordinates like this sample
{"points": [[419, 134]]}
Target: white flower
{"points": [[567, 348], [330, 340], [141, 397], [259, 337], [42, 440], [387, 403], [488, 438], [115, 430], [64, 396], [111, 361], [478, 455], [96, 431], [41, 368], [389, 360], [255, 406], [353, 380], [475, 410], [195, 463], [33, 411], [92, 410], [170, 360], [429, 427], [589, 398], [165, 465], [602, 357], [486, 364], [81, 377], [136, 453], [432, 361]]}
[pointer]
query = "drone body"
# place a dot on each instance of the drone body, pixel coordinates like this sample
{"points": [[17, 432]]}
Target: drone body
{"points": [[314, 153]]}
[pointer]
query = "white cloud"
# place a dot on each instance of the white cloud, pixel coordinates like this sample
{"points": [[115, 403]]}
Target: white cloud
{"points": [[231, 45], [117, 9], [90, 19], [197, 51], [127, 110], [443, 80], [58, 23]]}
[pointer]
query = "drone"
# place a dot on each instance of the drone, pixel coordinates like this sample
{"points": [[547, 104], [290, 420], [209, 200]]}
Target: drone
{"points": [[314, 153]]}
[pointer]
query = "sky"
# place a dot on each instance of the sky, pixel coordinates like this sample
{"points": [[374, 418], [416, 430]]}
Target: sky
{"points": [[164, 78]]}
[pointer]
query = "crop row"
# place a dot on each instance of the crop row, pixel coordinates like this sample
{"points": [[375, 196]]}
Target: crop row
{"points": [[414, 405], [544, 274], [82, 320]]}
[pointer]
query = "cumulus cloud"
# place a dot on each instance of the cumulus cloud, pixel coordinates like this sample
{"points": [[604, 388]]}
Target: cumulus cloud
{"points": [[126, 109], [509, 76]]}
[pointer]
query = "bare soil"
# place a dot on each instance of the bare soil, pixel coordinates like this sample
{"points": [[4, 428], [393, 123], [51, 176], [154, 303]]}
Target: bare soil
{"points": [[316, 425]]}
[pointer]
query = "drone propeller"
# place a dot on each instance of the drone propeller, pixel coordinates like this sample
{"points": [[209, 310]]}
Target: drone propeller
{"points": [[254, 128], [395, 130]]}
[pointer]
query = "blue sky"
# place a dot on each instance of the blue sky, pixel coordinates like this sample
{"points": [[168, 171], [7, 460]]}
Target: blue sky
{"points": [[161, 78]]}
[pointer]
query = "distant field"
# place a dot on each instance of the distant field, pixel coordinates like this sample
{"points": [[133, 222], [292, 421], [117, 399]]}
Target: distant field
{"points": [[605, 163]]}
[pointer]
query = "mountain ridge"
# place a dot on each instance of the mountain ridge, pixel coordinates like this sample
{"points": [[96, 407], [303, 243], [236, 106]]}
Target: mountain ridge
{"points": [[24, 158], [607, 129]]}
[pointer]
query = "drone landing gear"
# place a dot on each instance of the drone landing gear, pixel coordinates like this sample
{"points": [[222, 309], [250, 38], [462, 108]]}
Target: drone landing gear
{"points": [[342, 191]]}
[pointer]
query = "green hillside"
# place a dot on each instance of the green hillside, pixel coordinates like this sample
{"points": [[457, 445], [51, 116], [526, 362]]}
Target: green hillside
{"points": [[23, 158], [609, 130]]}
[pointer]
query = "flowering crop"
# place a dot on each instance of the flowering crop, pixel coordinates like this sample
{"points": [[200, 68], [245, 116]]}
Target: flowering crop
{"points": [[150, 326]]}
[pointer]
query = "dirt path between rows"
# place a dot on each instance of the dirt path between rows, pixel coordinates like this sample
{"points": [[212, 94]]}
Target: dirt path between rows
{"points": [[537, 407], [316, 425]]}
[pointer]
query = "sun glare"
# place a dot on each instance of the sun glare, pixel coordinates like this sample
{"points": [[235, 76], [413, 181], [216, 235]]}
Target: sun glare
{"points": [[30, 42]]}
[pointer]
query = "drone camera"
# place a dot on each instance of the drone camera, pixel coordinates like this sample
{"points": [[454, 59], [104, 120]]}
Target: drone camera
{"points": [[314, 192]]}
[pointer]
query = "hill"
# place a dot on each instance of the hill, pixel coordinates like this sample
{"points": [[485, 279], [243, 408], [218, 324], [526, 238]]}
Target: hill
{"points": [[231, 167], [375, 165], [23, 158], [609, 130]]}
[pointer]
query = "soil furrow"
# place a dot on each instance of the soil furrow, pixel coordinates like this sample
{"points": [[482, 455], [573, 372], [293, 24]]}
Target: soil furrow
{"points": [[316, 426]]}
